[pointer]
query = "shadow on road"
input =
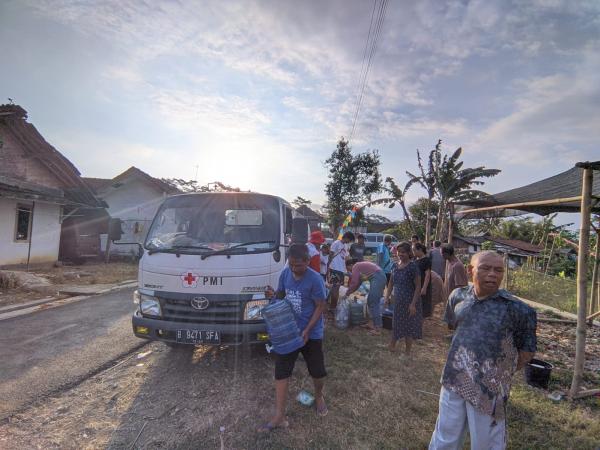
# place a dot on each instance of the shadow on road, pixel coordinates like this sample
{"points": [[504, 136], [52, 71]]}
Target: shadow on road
{"points": [[188, 394]]}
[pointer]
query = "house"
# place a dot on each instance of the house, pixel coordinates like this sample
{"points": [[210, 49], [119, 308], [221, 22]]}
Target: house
{"points": [[134, 197], [47, 212], [315, 220], [517, 250]]}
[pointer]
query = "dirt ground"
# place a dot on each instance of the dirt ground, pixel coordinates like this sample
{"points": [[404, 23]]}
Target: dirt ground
{"points": [[207, 397], [85, 274]]}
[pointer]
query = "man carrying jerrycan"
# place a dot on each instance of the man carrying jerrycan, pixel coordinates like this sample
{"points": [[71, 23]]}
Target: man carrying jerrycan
{"points": [[304, 289]]}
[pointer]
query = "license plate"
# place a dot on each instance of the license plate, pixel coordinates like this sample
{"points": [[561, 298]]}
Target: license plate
{"points": [[198, 337]]}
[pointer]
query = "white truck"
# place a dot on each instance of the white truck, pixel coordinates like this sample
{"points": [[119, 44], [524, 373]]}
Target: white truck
{"points": [[206, 261]]}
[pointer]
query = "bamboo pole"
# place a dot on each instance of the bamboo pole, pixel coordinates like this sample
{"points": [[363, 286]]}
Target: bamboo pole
{"points": [[594, 276], [582, 268], [554, 201]]}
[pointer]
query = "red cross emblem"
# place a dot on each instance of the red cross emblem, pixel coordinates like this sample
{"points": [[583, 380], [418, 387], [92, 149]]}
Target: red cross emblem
{"points": [[189, 279]]}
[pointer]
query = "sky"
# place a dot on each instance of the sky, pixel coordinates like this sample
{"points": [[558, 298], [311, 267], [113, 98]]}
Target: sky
{"points": [[256, 94]]}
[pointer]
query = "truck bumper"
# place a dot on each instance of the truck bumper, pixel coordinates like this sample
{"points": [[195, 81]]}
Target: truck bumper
{"points": [[231, 334]]}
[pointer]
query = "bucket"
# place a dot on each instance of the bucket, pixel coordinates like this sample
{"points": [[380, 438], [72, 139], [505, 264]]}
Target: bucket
{"points": [[537, 373], [387, 317], [282, 327]]}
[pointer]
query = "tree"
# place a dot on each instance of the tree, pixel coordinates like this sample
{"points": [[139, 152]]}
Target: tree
{"points": [[422, 211], [352, 181], [300, 201], [453, 183], [193, 186], [427, 180], [395, 195]]}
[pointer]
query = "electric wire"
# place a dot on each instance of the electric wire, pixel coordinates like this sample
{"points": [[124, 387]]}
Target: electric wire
{"points": [[372, 38]]}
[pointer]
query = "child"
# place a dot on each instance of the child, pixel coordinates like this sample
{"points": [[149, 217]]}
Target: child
{"points": [[408, 316]]}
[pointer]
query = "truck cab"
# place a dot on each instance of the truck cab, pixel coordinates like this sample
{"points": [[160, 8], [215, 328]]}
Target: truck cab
{"points": [[206, 262]]}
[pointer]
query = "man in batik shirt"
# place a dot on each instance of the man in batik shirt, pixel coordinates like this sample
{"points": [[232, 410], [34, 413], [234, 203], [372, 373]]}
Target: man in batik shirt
{"points": [[494, 337]]}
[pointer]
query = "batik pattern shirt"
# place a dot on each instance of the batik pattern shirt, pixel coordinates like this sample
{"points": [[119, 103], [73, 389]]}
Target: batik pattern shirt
{"points": [[484, 351]]}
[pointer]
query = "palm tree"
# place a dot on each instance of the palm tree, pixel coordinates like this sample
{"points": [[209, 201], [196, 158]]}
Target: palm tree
{"points": [[396, 195], [454, 184]]}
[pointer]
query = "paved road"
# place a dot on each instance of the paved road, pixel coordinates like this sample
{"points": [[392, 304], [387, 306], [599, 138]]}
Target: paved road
{"points": [[43, 352]]}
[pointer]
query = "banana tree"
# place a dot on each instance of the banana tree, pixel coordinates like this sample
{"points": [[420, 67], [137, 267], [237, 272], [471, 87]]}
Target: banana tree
{"points": [[455, 184], [396, 195]]}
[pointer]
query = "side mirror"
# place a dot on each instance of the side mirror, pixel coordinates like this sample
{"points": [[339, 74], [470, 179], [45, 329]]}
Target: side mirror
{"points": [[115, 232], [299, 230]]}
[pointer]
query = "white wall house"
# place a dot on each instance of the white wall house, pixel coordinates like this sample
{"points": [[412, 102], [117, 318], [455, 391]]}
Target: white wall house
{"points": [[39, 187], [134, 197], [28, 228]]}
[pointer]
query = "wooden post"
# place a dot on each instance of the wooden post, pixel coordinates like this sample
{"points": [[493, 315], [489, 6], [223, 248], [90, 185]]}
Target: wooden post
{"points": [[107, 250], [591, 309], [450, 223], [582, 268], [30, 231]]}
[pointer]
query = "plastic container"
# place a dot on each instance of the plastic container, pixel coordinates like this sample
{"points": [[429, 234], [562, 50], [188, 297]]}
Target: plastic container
{"points": [[387, 317], [537, 373], [282, 327], [342, 314], [357, 313]]}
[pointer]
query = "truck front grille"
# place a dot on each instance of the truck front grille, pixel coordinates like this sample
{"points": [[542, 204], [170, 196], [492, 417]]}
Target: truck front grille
{"points": [[218, 311]]}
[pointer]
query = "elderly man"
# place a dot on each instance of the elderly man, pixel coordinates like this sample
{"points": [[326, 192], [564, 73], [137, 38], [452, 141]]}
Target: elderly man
{"points": [[494, 337], [455, 272]]}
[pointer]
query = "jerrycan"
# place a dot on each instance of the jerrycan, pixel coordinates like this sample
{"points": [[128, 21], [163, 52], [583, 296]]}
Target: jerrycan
{"points": [[357, 313], [282, 327]]}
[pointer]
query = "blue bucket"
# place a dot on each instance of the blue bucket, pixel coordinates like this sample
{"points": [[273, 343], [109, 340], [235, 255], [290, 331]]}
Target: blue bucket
{"points": [[282, 327]]}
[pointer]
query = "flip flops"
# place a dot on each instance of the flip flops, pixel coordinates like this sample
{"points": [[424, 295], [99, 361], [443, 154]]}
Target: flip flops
{"points": [[268, 426], [323, 410]]}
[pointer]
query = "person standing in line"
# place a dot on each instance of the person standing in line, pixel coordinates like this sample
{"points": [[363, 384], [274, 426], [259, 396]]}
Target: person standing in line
{"points": [[313, 245], [357, 250], [495, 336], [406, 283], [384, 257], [438, 263], [337, 265], [324, 261], [424, 263], [368, 271], [414, 239], [456, 276], [305, 290]]}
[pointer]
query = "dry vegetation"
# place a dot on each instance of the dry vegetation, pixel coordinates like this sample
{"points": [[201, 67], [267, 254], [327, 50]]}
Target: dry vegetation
{"points": [[180, 399], [85, 274]]}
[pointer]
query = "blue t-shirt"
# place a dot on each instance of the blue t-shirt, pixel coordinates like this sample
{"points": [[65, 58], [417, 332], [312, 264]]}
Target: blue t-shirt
{"points": [[383, 258], [303, 294]]}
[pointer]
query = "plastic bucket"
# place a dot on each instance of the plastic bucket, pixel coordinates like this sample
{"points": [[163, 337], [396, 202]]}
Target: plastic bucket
{"points": [[537, 373]]}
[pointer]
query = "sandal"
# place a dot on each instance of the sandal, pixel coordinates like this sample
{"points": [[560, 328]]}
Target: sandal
{"points": [[268, 427]]}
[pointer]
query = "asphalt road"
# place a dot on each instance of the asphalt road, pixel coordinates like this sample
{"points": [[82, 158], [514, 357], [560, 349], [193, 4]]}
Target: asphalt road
{"points": [[46, 351]]}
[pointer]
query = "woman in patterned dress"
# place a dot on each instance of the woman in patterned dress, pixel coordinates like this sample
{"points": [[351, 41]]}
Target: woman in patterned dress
{"points": [[408, 314]]}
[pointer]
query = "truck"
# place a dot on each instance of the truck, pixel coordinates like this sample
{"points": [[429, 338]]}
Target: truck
{"points": [[205, 264]]}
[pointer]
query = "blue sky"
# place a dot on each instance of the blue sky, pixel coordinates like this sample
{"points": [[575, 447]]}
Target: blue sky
{"points": [[256, 94]]}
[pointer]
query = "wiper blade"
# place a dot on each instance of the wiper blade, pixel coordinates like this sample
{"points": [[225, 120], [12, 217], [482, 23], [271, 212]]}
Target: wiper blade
{"points": [[176, 249], [243, 244]]}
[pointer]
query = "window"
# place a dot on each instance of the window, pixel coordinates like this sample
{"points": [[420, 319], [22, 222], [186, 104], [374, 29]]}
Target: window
{"points": [[23, 228]]}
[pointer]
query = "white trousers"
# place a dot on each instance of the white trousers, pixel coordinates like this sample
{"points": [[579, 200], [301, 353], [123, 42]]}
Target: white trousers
{"points": [[455, 415]]}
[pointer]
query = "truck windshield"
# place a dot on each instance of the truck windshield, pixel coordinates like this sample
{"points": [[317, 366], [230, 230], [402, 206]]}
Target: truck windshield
{"points": [[205, 223]]}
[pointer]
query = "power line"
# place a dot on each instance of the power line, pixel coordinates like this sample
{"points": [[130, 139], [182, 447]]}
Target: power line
{"points": [[374, 41]]}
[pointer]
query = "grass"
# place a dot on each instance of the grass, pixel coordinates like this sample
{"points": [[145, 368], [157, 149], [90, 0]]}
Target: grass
{"points": [[549, 290], [376, 400]]}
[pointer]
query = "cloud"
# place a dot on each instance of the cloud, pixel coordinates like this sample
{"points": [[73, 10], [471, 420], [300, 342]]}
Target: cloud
{"points": [[555, 117]]}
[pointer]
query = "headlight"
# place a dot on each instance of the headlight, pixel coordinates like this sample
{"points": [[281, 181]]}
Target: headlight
{"points": [[253, 309], [149, 306], [136, 297]]}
